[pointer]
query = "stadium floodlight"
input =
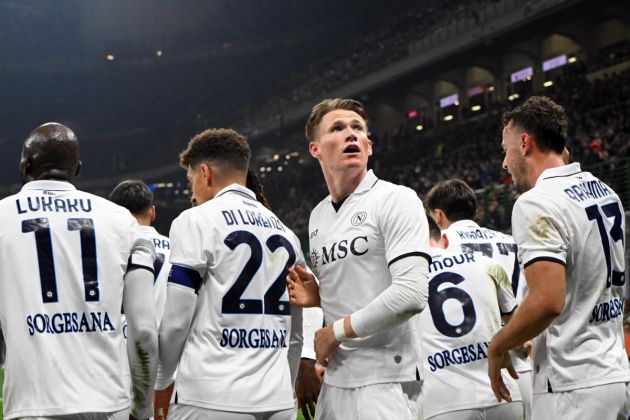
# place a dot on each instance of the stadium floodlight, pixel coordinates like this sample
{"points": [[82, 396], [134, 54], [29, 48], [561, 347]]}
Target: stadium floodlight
{"points": [[475, 108], [548, 83], [110, 57], [572, 60], [262, 169], [287, 157], [276, 157], [490, 88], [448, 117], [419, 127], [158, 53], [514, 96]]}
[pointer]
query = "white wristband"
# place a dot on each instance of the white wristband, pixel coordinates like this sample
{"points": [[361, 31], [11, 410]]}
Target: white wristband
{"points": [[339, 330]]}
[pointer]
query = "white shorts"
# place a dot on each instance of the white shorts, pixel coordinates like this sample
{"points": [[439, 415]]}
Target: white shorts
{"points": [[116, 415], [190, 412], [400, 401], [606, 402], [525, 385], [507, 411]]}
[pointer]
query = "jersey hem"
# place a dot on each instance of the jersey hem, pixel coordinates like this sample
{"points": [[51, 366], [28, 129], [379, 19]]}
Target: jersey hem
{"points": [[468, 406], [550, 259], [48, 412], [234, 408], [372, 381], [581, 385]]}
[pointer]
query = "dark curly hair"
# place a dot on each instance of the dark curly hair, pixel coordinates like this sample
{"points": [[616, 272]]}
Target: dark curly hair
{"points": [[542, 118], [219, 146]]}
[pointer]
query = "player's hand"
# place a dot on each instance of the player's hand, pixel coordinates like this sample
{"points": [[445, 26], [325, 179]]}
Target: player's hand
{"points": [[307, 387], [303, 288], [325, 344], [161, 401], [496, 362]]}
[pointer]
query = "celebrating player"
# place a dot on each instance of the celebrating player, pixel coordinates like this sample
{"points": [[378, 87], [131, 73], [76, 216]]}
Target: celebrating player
{"points": [[227, 320], [369, 248], [468, 295], [69, 260], [454, 205], [569, 228]]}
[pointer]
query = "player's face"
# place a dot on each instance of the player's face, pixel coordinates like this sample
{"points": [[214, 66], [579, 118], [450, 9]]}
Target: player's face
{"points": [[343, 141], [200, 193], [513, 161]]}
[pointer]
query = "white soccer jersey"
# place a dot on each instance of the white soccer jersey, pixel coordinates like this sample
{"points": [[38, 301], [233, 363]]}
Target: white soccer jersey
{"points": [[467, 295], [467, 236], [236, 353], [161, 267], [573, 218], [64, 254], [351, 250]]}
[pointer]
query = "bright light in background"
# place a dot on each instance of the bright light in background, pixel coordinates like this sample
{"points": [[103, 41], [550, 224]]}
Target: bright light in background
{"points": [[419, 127], [158, 53], [572, 59], [475, 108], [548, 83], [287, 157], [514, 96], [280, 168], [110, 57], [490, 88], [448, 118], [276, 157]]}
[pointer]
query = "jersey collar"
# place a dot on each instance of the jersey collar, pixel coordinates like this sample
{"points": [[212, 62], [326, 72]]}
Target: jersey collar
{"points": [[149, 229], [236, 189], [49, 185], [463, 224], [364, 186], [560, 171]]}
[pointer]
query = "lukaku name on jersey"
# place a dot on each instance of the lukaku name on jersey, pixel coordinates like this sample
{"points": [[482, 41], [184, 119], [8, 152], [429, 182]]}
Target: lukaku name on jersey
{"points": [[59, 205], [69, 322]]}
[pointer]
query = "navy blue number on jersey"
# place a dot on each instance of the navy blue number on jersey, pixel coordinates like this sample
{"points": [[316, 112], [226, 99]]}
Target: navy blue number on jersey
{"points": [[157, 266], [233, 303], [613, 277], [505, 249], [43, 241], [438, 298]]}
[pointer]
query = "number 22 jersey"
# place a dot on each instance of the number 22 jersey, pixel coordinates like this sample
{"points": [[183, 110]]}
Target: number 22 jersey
{"points": [[236, 354]]}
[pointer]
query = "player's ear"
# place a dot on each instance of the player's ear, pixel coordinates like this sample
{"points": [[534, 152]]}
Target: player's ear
{"points": [[444, 241], [369, 147], [152, 213], [206, 173], [313, 148], [526, 143], [78, 168]]}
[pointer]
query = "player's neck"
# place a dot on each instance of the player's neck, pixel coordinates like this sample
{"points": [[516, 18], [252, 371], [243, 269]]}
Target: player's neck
{"points": [[543, 162], [342, 184], [219, 184]]}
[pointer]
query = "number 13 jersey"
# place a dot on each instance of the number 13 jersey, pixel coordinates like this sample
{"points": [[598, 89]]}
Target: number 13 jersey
{"points": [[572, 218], [236, 355]]}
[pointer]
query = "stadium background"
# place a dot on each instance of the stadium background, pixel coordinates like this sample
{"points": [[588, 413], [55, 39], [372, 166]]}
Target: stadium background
{"points": [[136, 80]]}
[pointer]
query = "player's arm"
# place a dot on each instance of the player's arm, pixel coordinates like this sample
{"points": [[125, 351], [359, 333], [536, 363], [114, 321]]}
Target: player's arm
{"points": [[309, 380], [181, 299], [545, 275], [142, 342]]}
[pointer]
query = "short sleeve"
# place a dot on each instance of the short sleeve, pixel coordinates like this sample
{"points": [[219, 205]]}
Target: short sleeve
{"points": [[538, 231], [505, 295], [189, 248], [142, 252], [404, 226]]}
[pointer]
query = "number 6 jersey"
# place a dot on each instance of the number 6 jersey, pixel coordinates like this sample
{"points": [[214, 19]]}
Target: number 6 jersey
{"points": [[572, 218], [63, 256], [236, 354]]}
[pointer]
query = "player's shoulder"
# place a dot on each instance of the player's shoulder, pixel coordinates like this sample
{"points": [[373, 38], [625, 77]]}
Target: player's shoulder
{"points": [[387, 188]]}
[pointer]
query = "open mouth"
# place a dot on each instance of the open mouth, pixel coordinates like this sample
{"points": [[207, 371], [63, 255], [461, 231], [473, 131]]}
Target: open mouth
{"points": [[352, 148]]}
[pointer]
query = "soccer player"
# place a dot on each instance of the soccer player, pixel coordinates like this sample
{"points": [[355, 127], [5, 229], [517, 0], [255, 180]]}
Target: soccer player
{"points": [[69, 261], [569, 228], [369, 245], [468, 295], [136, 197], [454, 205], [227, 320]]}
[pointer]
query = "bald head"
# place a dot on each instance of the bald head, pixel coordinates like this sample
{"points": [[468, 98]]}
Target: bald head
{"points": [[51, 151]]}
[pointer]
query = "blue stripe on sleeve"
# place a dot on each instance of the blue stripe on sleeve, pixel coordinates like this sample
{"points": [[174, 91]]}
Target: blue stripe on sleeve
{"points": [[185, 277]]}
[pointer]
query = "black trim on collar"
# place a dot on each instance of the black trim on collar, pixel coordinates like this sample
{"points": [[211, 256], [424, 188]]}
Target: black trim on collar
{"points": [[510, 312], [562, 176], [244, 194], [338, 205], [550, 259], [411, 254]]}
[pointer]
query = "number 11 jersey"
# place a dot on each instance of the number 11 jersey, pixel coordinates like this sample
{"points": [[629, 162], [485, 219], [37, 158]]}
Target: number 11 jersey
{"points": [[63, 255]]}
